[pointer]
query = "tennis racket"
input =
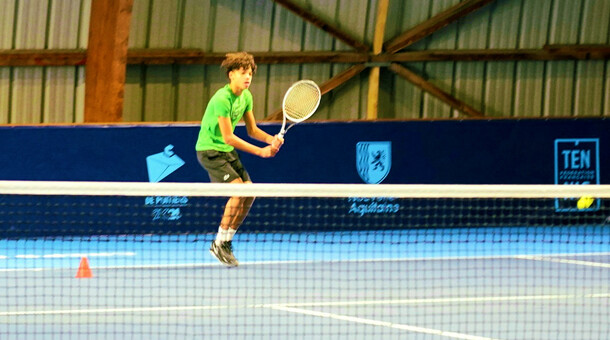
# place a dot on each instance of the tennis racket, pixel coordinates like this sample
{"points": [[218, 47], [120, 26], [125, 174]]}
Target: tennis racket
{"points": [[300, 102]]}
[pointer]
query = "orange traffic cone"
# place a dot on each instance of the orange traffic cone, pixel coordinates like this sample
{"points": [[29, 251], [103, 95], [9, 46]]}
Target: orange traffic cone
{"points": [[84, 272]]}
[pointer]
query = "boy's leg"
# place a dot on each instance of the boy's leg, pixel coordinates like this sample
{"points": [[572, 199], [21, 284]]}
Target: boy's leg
{"points": [[235, 212]]}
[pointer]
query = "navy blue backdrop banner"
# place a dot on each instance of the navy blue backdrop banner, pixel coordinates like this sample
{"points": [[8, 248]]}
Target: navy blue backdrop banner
{"points": [[535, 151], [532, 151]]}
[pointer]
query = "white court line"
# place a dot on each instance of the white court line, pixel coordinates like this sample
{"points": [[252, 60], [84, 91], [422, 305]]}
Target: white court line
{"points": [[120, 310], [290, 308], [403, 327], [481, 299], [67, 255], [289, 262], [71, 255], [164, 266], [565, 261]]}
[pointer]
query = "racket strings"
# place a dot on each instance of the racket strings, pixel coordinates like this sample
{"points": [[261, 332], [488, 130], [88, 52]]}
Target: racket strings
{"points": [[301, 101]]}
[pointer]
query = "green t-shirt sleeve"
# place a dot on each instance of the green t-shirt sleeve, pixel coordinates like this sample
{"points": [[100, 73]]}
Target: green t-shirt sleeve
{"points": [[220, 106], [249, 102]]}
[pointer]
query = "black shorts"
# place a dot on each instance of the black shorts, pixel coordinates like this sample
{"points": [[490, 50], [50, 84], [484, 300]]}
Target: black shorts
{"points": [[222, 167]]}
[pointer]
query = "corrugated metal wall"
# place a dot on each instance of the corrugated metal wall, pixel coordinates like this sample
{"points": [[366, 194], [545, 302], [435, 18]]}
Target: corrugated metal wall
{"points": [[43, 94], [508, 88], [180, 92], [169, 92]]}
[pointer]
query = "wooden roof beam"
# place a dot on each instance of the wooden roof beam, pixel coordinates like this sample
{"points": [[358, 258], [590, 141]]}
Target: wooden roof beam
{"points": [[553, 52], [195, 56], [434, 90], [323, 25], [584, 51], [434, 24], [76, 57], [327, 86], [56, 57]]}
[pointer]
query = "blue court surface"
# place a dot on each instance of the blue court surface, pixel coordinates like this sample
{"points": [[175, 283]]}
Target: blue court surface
{"points": [[479, 283]]}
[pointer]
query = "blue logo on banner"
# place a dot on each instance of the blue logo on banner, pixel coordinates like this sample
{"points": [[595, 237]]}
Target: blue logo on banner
{"points": [[162, 164], [373, 160], [576, 162]]}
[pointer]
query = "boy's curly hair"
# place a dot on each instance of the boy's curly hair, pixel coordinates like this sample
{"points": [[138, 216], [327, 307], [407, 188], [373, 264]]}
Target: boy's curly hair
{"points": [[235, 61]]}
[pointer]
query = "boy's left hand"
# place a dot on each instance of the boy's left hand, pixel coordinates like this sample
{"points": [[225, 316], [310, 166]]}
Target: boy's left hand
{"points": [[277, 142]]}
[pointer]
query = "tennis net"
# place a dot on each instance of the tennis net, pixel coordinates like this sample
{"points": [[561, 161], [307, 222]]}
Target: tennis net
{"points": [[109, 260]]}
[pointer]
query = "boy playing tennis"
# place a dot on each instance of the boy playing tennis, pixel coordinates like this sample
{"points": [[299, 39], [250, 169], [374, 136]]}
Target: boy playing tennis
{"points": [[216, 146]]}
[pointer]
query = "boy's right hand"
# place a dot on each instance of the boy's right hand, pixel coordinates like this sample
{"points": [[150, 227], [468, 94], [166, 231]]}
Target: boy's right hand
{"points": [[278, 141], [268, 151]]}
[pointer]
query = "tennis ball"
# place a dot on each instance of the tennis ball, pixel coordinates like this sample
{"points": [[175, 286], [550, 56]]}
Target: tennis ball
{"points": [[585, 202]]}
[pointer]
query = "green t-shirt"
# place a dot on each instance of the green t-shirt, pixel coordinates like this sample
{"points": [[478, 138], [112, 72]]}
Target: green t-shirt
{"points": [[224, 103]]}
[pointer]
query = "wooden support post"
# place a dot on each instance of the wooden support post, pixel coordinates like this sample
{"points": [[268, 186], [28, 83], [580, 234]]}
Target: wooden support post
{"points": [[372, 105], [107, 60]]}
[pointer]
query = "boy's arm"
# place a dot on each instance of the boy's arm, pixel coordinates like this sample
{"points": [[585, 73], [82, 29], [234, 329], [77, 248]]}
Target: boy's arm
{"points": [[255, 132], [224, 123]]}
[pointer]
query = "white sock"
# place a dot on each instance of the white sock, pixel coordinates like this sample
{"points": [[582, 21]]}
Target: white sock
{"points": [[221, 236], [230, 233]]}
